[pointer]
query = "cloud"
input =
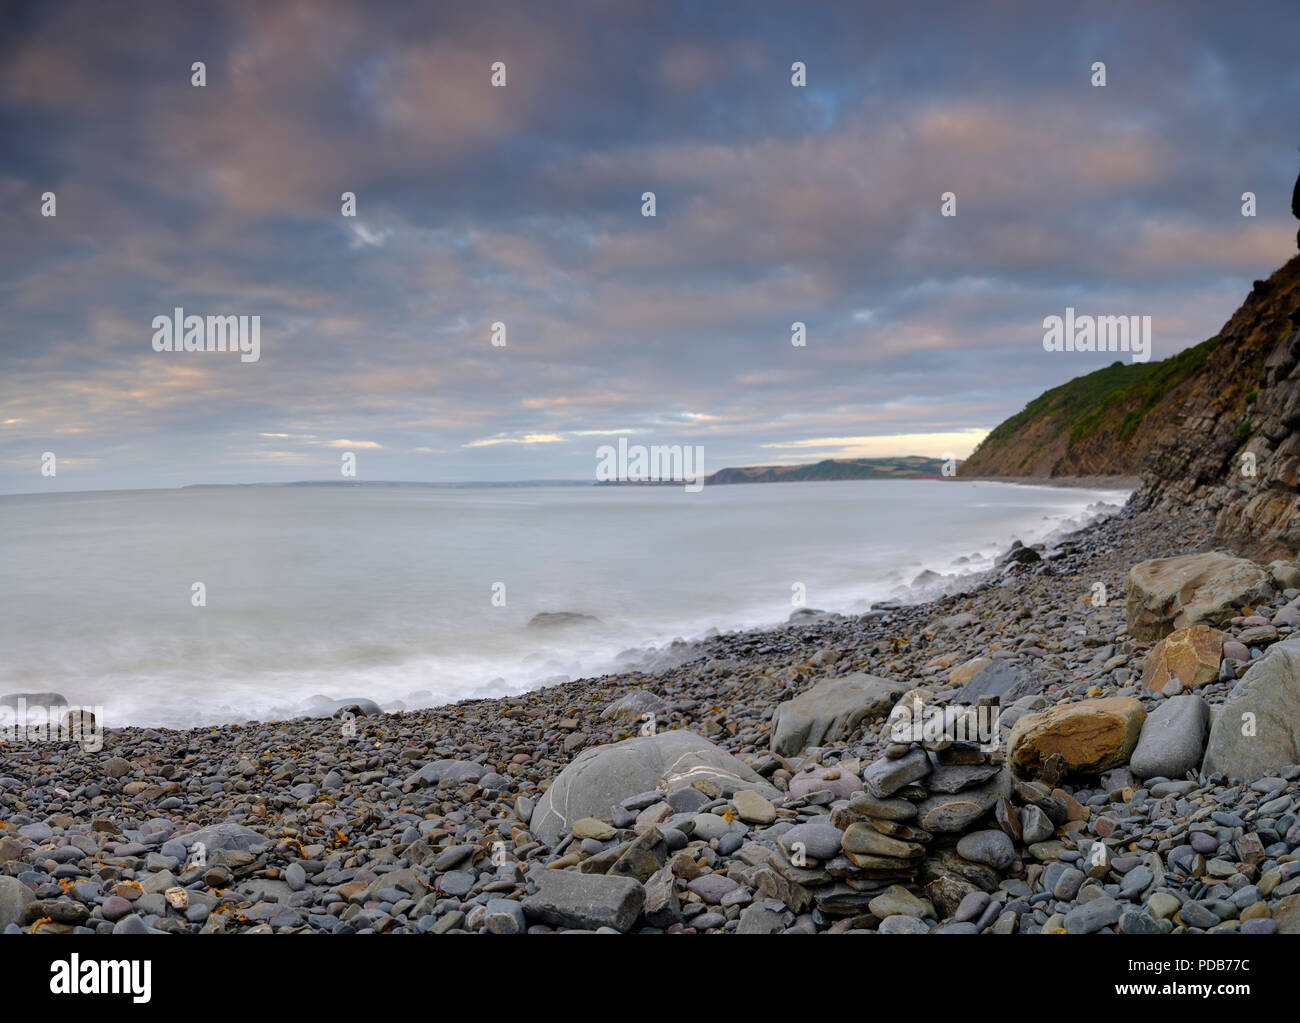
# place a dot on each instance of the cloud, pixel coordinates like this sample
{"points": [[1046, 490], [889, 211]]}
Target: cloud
{"points": [[938, 445], [521, 206], [528, 438], [366, 238]]}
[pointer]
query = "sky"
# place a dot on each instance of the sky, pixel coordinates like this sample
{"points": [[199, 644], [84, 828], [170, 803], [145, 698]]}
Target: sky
{"points": [[522, 204]]}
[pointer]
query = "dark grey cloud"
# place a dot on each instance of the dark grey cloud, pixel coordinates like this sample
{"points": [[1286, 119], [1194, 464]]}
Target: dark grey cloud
{"points": [[521, 205]]}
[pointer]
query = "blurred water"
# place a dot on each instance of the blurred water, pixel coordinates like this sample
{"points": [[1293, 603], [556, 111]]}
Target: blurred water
{"points": [[386, 593]]}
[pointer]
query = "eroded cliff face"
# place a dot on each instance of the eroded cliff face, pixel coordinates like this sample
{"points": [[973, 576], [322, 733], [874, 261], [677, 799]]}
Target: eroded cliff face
{"points": [[1233, 447], [1216, 427]]}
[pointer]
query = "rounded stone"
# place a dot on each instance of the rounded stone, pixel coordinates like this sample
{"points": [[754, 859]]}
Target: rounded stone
{"points": [[114, 908], [116, 767], [753, 808], [902, 924], [295, 877], [820, 841], [992, 848], [1204, 843]]}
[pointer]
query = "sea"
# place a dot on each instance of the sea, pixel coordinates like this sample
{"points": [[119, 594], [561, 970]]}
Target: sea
{"points": [[200, 606]]}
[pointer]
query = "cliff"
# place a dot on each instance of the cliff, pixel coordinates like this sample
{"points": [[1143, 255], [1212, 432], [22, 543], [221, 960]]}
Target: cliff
{"points": [[1094, 425], [1215, 427], [1235, 447]]}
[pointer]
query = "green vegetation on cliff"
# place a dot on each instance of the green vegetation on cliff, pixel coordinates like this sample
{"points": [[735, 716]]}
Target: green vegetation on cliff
{"points": [[1084, 404], [1047, 436]]}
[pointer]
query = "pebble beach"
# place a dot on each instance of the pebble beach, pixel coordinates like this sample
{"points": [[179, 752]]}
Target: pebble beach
{"points": [[758, 784]]}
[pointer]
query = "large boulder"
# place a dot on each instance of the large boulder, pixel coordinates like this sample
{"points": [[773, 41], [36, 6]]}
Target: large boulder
{"points": [[1091, 736], [1286, 574], [601, 776], [1194, 589], [1191, 656], [1172, 739], [830, 710], [1257, 728], [32, 714]]}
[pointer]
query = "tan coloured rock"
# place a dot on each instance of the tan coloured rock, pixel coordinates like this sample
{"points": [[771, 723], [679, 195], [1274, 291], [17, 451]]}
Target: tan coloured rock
{"points": [[1191, 656], [1091, 736], [963, 673], [898, 901], [753, 808], [1166, 594], [862, 838], [590, 827]]}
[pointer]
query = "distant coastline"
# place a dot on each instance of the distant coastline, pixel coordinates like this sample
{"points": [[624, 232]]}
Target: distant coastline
{"points": [[810, 473], [723, 477], [414, 484]]}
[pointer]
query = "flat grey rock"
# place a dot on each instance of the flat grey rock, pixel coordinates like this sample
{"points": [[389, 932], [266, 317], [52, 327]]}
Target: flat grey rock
{"points": [[225, 836], [830, 710], [1093, 916], [566, 898], [457, 770], [957, 812], [1172, 739], [884, 777], [1001, 678]]}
